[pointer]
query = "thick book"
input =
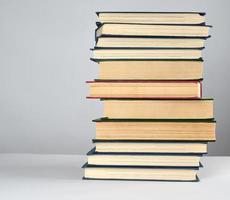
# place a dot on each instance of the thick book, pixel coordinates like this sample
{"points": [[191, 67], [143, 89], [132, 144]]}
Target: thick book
{"points": [[143, 159], [145, 89], [152, 30], [151, 70], [143, 53], [132, 130], [137, 146], [140, 173], [158, 109], [152, 17]]}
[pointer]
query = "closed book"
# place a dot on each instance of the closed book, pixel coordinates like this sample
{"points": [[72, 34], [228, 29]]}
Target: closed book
{"points": [[148, 146], [143, 53], [155, 130], [152, 17], [148, 42], [151, 70], [158, 109], [152, 30], [140, 173], [143, 159], [145, 89]]}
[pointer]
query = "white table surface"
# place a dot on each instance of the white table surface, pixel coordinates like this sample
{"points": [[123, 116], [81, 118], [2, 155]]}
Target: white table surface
{"points": [[58, 177]]}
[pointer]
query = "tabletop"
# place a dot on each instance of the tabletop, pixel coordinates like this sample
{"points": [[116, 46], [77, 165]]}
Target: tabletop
{"points": [[59, 177]]}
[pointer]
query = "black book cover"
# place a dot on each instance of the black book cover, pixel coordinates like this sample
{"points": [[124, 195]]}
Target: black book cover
{"points": [[157, 140], [146, 80], [201, 13], [99, 25], [106, 119], [147, 141], [86, 165], [101, 60], [94, 152], [101, 179], [146, 48]]}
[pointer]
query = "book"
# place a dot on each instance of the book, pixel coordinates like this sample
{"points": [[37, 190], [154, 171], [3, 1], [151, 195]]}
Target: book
{"points": [[152, 30], [150, 146], [145, 42], [151, 70], [152, 17], [143, 159], [145, 89], [158, 109], [139, 173], [130, 54], [155, 129]]}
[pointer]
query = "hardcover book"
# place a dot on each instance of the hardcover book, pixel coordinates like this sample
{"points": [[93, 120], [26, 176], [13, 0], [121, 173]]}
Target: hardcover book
{"points": [[148, 54], [156, 129], [146, 42], [148, 146], [145, 89], [158, 109], [139, 173], [150, 69], [153, 30], [143, 159], [152, 17]]}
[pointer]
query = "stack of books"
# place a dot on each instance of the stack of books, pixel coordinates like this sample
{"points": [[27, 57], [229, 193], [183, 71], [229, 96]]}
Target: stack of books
{"points": [[156, 125]]}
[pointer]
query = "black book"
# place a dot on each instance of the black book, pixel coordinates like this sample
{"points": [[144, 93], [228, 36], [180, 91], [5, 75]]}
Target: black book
{"points": [[186, 160], [190, 18], [140, 173]]}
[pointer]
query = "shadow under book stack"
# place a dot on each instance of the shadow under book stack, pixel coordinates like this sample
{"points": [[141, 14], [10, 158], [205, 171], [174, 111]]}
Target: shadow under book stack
{"points": [[156, 125]]}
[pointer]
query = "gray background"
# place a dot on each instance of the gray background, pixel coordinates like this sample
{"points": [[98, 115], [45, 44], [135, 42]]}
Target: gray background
{"points": [[44, 63]]}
